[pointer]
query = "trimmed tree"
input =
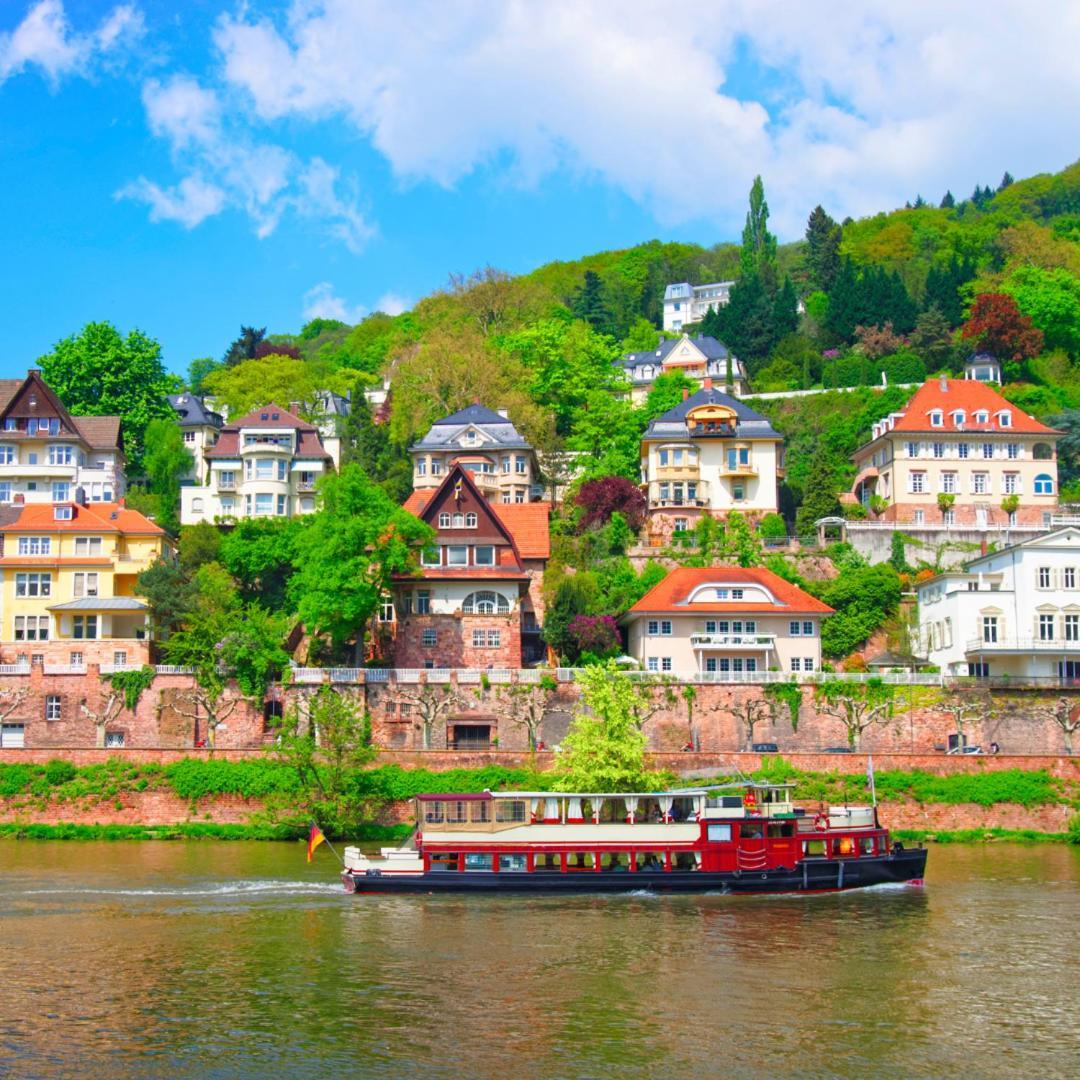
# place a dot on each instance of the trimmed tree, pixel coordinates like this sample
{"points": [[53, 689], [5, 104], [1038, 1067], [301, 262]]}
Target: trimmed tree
{"points": [[857, 705]]}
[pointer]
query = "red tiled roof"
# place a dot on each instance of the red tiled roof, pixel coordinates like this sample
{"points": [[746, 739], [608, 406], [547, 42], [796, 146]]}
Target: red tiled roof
{"points": [[671, 594], [464, 573], [94, 517], [309, 444], [969, 396], [527, 523], [275, 418], [100, 432]]}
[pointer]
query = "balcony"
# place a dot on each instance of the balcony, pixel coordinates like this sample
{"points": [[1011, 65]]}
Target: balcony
{"points": [[755, 642], [676, 494], [735, 471], [679, 472], [1023, 645], [305, 485], [30, 472], [226, 485]]}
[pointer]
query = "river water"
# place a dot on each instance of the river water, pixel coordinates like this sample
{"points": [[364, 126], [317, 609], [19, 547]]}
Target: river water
{"points": [[237, 959]]}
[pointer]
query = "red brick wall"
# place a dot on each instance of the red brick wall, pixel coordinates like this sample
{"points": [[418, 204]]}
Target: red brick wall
{"points": [[454, 637], [94, 652], [964, 513]]}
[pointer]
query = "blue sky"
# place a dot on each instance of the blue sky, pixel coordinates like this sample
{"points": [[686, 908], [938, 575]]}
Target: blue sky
{"points": [[187, 167]]}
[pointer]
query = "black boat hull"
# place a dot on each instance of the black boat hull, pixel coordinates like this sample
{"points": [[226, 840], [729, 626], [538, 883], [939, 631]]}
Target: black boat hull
{"points": [[811, 875]]}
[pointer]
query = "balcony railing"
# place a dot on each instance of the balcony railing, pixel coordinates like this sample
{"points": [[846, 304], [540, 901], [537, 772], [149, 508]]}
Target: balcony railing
{"points": [[732, 641], [1023, 644]]}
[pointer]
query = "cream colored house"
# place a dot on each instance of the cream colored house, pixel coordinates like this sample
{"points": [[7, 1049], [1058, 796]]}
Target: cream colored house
{"points": [[48, 455], [265, 464], [726, 623], [200, 427], [961, 439], [487, 445], [1013, 612], [697, 358], [711, 454]]}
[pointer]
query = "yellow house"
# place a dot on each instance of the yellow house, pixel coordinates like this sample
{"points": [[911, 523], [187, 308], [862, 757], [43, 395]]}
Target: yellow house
{"points": [[69, 572]]}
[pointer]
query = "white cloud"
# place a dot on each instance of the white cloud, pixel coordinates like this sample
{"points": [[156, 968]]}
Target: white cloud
{"points": [[45, 40], [320, 302], [263, 180], [867, 103], [189, 203], [392, 303]]}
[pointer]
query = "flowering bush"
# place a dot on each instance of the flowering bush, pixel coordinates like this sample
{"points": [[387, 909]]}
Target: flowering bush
{"points": [[595, 634], [601, 498]]}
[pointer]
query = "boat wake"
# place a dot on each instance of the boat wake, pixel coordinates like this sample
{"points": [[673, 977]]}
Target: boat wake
{"points": [[232, 888]]}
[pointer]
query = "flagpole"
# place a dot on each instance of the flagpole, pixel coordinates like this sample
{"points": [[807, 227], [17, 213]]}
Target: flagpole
{"points": [[326, 841]]}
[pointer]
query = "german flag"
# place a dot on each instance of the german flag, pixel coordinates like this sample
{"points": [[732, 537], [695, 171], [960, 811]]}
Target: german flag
{"points": [[315, 838]]}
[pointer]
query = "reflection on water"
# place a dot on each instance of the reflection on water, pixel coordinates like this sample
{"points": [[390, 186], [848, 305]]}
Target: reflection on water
{"points": [[178, 959]]}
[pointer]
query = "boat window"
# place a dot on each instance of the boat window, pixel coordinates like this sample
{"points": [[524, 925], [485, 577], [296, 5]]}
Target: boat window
{"points": [[843, 846], [814, 848], [476, 861], [720, 833], [510, 810], [651, 861], [579, 860], [866, 845], [781, 828], [457, 812], [752, 830], [444, 860], [614, 862], [481, 812], [547, 863], [684, 860], [433, 813], [512, 864]]}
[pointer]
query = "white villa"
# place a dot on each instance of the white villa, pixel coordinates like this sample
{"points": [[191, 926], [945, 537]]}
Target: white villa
{"points": [[685, 303], [1014, 612], [727, 623], [697, 358]]}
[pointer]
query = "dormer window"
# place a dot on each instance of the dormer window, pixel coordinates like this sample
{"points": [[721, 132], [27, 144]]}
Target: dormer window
{"points": [[982, 417], [264, 416], [936, 418], [958, 417], [1005, 418], [63, 513]]}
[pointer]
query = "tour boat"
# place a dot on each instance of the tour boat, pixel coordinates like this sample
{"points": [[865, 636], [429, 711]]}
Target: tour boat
{"points": [[734, 838]]}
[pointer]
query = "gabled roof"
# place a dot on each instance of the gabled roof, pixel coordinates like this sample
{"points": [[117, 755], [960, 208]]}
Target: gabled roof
{"points": [[92, 517], [670, 595], [672, 424], [98, 432], [309, 444], [191, 411], [970, 396], [495, 431], [526, 524], [710, 348]]}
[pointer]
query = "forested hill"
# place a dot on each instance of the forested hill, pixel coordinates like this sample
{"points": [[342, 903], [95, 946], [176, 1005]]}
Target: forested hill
{"points": [[903, 294]]}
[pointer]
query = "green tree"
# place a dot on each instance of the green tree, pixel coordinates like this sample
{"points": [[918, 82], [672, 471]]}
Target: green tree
{"points": [[325, 742], [858, 706], [758, 255], [932, 339], [260, 554], [244, 347], [590, 304], [604, 750], [169, 594], [819, 494], [368, 445], [785, 315], [666, 392], [822, 249], [198, 369], [280, 380], [574, 595], [748, 319], [607, 430], [347, 553], [1051, 299], [99, 373], [198, 544], [166, 461], [948, 201]]}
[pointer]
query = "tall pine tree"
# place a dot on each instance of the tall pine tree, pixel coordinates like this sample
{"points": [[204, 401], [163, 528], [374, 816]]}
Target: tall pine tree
{"points": [[589, 303], [758, 244], [822, 249]]}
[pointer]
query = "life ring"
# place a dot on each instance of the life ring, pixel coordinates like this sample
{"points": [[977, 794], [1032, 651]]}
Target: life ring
{"points": [[821, 822]]}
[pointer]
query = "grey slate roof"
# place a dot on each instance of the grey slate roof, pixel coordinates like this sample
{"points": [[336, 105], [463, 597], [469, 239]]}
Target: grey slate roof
{"points": [[101, 603], [191, 411], [497, 432], [672, 424], [712, 349]]}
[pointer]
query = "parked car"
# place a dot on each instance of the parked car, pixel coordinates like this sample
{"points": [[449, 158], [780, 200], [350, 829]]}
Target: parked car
{"points": [[837, 750], [966, 749], [765, 748]]}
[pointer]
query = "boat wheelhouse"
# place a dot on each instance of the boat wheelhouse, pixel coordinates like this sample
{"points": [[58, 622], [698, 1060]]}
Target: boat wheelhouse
{"points": [[743, 837]]}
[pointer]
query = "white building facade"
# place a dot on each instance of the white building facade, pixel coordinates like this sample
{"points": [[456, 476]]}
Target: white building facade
{"points": [[1014, 612], [685, 303], [266, 464], [697, 358]]}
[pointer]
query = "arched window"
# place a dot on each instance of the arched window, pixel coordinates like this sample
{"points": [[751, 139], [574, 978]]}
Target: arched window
{"points": [[486, 602], [1044, 484], [444, 521], [470, 521]]}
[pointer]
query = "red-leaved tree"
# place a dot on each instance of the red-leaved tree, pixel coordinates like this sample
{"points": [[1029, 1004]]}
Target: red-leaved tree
{"points": [[997, 326], [596, 634], [601, 498]]}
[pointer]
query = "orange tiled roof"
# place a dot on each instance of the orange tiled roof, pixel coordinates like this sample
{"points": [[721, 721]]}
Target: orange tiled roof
{"points": [[670, 595], [971, 397], [527, 523], [94, 517]]}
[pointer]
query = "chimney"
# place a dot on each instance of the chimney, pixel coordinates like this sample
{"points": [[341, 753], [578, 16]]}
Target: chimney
{"points": [[685, 393], [944, 385], [294, 407], [983, 548], [706, 383]]}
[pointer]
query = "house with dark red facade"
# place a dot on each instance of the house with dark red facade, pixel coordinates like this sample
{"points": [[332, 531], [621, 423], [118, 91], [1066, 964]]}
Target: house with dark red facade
{"points": [[475, 601]]}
